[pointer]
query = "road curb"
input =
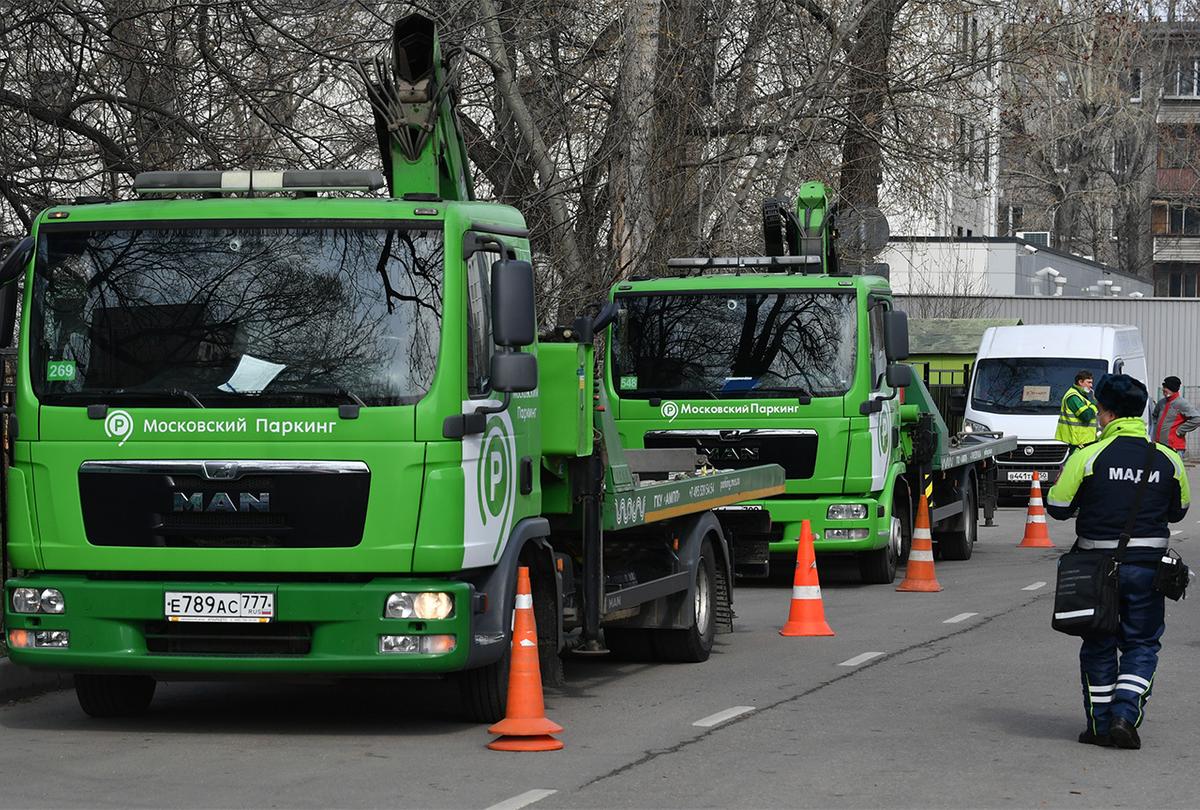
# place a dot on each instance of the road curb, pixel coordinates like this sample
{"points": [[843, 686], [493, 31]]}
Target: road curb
{"points": [[17, 681]]}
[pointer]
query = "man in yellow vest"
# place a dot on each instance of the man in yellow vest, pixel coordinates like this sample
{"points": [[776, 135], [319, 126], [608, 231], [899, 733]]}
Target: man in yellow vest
{"points": [[1077, 414]]}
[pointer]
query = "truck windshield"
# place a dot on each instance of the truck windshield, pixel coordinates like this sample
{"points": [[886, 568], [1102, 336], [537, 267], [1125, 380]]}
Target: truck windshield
{"points": [[1027, 385], [285, 315], [730, 345]]}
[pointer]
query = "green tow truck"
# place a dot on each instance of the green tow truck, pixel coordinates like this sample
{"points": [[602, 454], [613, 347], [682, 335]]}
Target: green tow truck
{"points": [[783, 359], [276, 423]]}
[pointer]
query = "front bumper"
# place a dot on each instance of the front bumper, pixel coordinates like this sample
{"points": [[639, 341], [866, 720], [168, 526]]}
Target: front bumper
{"points": [[787, 514], [110, 622]]}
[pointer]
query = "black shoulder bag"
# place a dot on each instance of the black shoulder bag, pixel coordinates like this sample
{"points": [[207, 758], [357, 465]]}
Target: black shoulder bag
{"points": [[1087, 594]]}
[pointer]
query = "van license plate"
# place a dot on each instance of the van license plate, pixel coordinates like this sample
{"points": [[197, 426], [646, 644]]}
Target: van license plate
{"points": [[1020, 476], [192, 606]]}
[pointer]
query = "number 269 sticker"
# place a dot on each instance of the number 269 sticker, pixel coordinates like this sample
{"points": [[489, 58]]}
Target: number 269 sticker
{"points": [[60, 371]]}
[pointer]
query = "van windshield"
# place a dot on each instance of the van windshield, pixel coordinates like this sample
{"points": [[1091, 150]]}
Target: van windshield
{"points": [[1027, 385]]}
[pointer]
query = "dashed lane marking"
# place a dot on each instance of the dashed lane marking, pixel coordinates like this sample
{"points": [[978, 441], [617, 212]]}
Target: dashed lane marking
{"points": [[1034, 586], [860, 659], [721, 717], [962, 617], [524, 800]]}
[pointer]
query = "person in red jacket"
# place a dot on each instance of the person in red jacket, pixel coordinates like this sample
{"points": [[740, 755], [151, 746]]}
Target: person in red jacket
{"points": [[1173, 417]]}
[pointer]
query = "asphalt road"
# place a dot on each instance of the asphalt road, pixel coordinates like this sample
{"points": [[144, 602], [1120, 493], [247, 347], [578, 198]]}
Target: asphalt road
{"points": [[963, 698]]}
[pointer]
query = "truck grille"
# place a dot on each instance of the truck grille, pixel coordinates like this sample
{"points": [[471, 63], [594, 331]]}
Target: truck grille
{"points": [[193, 504], [200, 638], [1054, 454], [794, 450]]}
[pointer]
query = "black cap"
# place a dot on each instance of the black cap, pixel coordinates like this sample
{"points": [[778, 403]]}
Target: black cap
{"points": [[1121, 394], [1172, 384]]}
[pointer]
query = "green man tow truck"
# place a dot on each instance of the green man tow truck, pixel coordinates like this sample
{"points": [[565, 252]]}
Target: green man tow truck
{"points": [[275, 423], [783, 359]]}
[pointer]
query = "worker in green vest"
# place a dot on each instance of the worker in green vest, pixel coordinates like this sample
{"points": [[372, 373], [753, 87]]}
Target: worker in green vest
{"points": [[1077, 414]]}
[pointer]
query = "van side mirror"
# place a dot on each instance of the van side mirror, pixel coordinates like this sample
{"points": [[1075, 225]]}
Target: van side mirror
{"points": [[895, 335], [514, 372], [513, 320], [899, 375]]}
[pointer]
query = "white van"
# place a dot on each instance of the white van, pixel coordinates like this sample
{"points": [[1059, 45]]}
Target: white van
{"points": [[1018, 381]]}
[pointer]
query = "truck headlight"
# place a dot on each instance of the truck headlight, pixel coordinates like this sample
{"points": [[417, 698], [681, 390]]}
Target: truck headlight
{"points": [[26, 600], [847, 534], [846, 511], [408, 645], [971, 426], [52, 601], [420, 605]]}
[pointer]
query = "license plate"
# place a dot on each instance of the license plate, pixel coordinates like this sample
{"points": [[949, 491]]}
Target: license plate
{"points": [[193, 606], [1020, 476]]}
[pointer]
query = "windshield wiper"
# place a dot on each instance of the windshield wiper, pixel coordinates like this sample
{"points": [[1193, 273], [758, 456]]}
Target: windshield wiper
{"points": [[345, 411], [181, 392]]}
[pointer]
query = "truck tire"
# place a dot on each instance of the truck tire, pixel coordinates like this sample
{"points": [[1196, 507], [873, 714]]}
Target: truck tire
{"points": [[629, 644], [484, 691], [878, 567], [902, 508], [114, 695], [959, 543], [693, 645]]}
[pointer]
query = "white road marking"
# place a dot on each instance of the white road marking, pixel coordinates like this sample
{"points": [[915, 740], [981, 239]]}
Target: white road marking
{"points": [[962, 617], [721, 717], [524, 800], [860, 659], [1175, 532], [1034, 586]]}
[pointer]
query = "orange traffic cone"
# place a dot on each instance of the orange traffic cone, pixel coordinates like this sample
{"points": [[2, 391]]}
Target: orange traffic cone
{"points": [[807, 614], [919, 576], [525, 726], [1036, 533]]}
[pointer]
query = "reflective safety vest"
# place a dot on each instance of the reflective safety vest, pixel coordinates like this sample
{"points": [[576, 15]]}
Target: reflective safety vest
{"points": [[1076, 419]]}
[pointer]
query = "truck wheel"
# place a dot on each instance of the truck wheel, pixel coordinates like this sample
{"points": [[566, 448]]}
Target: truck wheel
{"points": [[902, 509], [878, 567], [114, 695], [628, 644], [960, 543], [484, 691], [693, 645]]}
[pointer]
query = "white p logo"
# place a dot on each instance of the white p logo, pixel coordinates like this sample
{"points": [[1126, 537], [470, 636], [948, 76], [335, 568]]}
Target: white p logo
{"points": [[670, 410], [118, 425]]}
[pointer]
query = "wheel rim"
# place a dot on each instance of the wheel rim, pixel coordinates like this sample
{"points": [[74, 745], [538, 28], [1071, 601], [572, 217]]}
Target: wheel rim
{"points": [[969, 518], [703, 606], [896, 542]]}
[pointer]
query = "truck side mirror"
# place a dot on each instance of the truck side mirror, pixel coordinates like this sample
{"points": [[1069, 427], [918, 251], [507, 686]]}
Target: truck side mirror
{"points": [[514, 372], [11, 269], [513, 321], [899, 375], [8, 314], [895, 335], [15, 260]]}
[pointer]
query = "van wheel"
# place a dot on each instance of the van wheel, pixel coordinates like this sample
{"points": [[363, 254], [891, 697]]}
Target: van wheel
{"points": [[114, 695], [694, 645], [959, 544]]}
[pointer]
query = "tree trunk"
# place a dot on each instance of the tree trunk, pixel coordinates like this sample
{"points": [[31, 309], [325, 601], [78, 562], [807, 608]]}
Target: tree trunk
{"points": [[867, 81], [631, 225]]}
